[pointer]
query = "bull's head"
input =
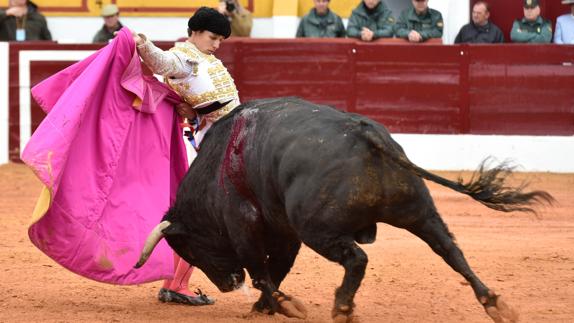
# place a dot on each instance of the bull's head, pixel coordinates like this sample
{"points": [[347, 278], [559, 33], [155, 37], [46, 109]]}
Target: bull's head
{"points": [[210, 255]]}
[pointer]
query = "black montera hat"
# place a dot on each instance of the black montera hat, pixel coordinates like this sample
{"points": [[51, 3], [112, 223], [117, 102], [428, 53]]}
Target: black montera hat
{"points": [[530, 3], [211, 20]]}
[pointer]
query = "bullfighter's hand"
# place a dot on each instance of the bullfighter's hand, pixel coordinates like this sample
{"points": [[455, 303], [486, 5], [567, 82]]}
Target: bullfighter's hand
{"points": [[139, 39], [186, 111]]}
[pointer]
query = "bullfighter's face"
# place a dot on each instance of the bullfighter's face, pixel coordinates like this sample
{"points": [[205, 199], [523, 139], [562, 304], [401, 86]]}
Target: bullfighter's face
{"points": [[221, 267]]}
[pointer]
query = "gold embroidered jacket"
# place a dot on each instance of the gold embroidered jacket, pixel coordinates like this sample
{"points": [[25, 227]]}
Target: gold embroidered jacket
{"points": [[200, 79]]}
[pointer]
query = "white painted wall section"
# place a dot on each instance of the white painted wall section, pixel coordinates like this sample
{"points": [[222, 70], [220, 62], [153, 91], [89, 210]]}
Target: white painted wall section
{"points": [[465, 152], [83, 29], [455, 13], [285, 26], [4, 103]]}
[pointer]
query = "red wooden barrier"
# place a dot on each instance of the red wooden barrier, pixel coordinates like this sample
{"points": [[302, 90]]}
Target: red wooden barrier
{"points": [[476, 89]]}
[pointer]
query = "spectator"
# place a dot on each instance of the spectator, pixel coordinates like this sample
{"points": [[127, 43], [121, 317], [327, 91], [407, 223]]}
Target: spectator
{"points": [[565, 26], [371, 20], [419, 23], [241, 19], [321, 22], [480, 29], [22, 21], [111, 15], [532, 28]]}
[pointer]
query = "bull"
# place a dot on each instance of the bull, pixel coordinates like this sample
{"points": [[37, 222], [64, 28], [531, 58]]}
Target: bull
{"points": [[278, 172]]}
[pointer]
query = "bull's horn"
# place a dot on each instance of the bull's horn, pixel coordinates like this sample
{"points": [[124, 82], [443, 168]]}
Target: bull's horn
{"points": [[152, 240]]}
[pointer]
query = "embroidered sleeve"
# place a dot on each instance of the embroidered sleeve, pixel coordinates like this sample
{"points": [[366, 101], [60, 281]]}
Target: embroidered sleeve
{"points": [[167, 63]]}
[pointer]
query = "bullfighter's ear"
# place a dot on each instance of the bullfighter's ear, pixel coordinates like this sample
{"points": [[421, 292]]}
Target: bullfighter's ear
{"points": [[175, 229]]}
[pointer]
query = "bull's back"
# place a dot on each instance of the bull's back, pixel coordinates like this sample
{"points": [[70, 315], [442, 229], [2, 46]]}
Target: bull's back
{"points": [[290, 150]]}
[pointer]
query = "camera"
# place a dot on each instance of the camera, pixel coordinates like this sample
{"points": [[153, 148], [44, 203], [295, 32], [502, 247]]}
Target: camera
{"points": [[229, 5]]}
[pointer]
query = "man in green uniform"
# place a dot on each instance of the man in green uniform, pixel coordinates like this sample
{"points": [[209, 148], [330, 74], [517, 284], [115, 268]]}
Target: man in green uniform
{"points": [[419, 23], [371, 20], [532, 28], [321, 22]]}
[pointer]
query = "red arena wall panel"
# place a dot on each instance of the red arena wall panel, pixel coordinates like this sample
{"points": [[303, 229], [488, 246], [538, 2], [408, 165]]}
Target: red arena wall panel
{"points": [[515, 93], [420, 89]]}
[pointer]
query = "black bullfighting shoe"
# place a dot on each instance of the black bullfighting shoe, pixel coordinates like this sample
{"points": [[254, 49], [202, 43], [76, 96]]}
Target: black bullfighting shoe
{"points": [[169, 296]]}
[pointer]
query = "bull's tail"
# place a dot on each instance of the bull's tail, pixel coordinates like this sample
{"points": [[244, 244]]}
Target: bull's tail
{"points": [[488, 186]]}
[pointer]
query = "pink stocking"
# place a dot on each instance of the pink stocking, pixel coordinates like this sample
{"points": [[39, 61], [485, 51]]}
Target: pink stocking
{"points": [[180, 281]]}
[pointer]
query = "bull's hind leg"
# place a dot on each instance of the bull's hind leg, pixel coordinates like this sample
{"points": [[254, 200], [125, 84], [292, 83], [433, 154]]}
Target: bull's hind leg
{"points": [[435, 233], [346, 252]]}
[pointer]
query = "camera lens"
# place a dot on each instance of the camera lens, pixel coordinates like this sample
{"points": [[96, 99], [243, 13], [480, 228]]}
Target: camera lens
{"points": [[229, 6]]}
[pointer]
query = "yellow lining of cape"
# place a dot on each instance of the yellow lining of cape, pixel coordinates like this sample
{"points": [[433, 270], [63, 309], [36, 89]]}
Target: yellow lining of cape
{"points": [[42, 205]]}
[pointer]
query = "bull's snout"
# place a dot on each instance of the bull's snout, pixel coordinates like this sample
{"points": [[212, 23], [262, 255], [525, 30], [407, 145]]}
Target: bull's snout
{"points": [[233, 282]]}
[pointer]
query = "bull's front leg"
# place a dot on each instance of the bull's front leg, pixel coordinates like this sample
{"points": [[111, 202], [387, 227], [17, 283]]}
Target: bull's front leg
{"points": [[266, 271], [280, 259], [274, 301]]}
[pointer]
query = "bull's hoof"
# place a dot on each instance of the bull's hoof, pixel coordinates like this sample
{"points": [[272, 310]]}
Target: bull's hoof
{"points": [[290, 306], [342, 318], [501, 312], [343, 314], [255, 314], [262, 308]]}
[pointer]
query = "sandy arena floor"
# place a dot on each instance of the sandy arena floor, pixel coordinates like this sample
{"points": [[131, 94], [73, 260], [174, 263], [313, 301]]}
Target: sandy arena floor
{"points": [[527, 259]]}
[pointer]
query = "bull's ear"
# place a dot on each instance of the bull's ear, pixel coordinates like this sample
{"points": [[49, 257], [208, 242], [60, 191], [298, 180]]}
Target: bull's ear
{"points": [[175, 229]]}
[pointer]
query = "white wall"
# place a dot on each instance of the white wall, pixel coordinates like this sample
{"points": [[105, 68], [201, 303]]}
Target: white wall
{"points": [[83, 29], [4, 65], [455, 13], [465, 152]]}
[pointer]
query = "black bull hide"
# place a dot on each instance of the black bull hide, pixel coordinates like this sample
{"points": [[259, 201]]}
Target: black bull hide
{"points": [[275, 173]]}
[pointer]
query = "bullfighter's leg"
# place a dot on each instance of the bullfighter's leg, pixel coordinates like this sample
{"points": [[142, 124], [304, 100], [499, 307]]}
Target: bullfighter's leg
{"points": [[176, 290], [435, 233], [346, 252]]}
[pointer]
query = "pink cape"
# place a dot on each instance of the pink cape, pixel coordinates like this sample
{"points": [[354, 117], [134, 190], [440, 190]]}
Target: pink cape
{"points": [[111, 155]]}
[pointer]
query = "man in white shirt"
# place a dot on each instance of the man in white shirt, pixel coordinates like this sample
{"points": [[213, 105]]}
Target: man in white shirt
{"points": [[564, 33]]}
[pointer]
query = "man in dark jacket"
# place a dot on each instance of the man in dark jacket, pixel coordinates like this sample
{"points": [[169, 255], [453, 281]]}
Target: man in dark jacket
{"points": [[111, 15], [480, 29], [371, 20], [419, 23], [321, 22], [22, 21]]}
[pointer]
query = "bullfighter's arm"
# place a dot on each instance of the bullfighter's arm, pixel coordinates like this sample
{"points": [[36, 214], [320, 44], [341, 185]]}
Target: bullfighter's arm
{"points": [[166, 63]]}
